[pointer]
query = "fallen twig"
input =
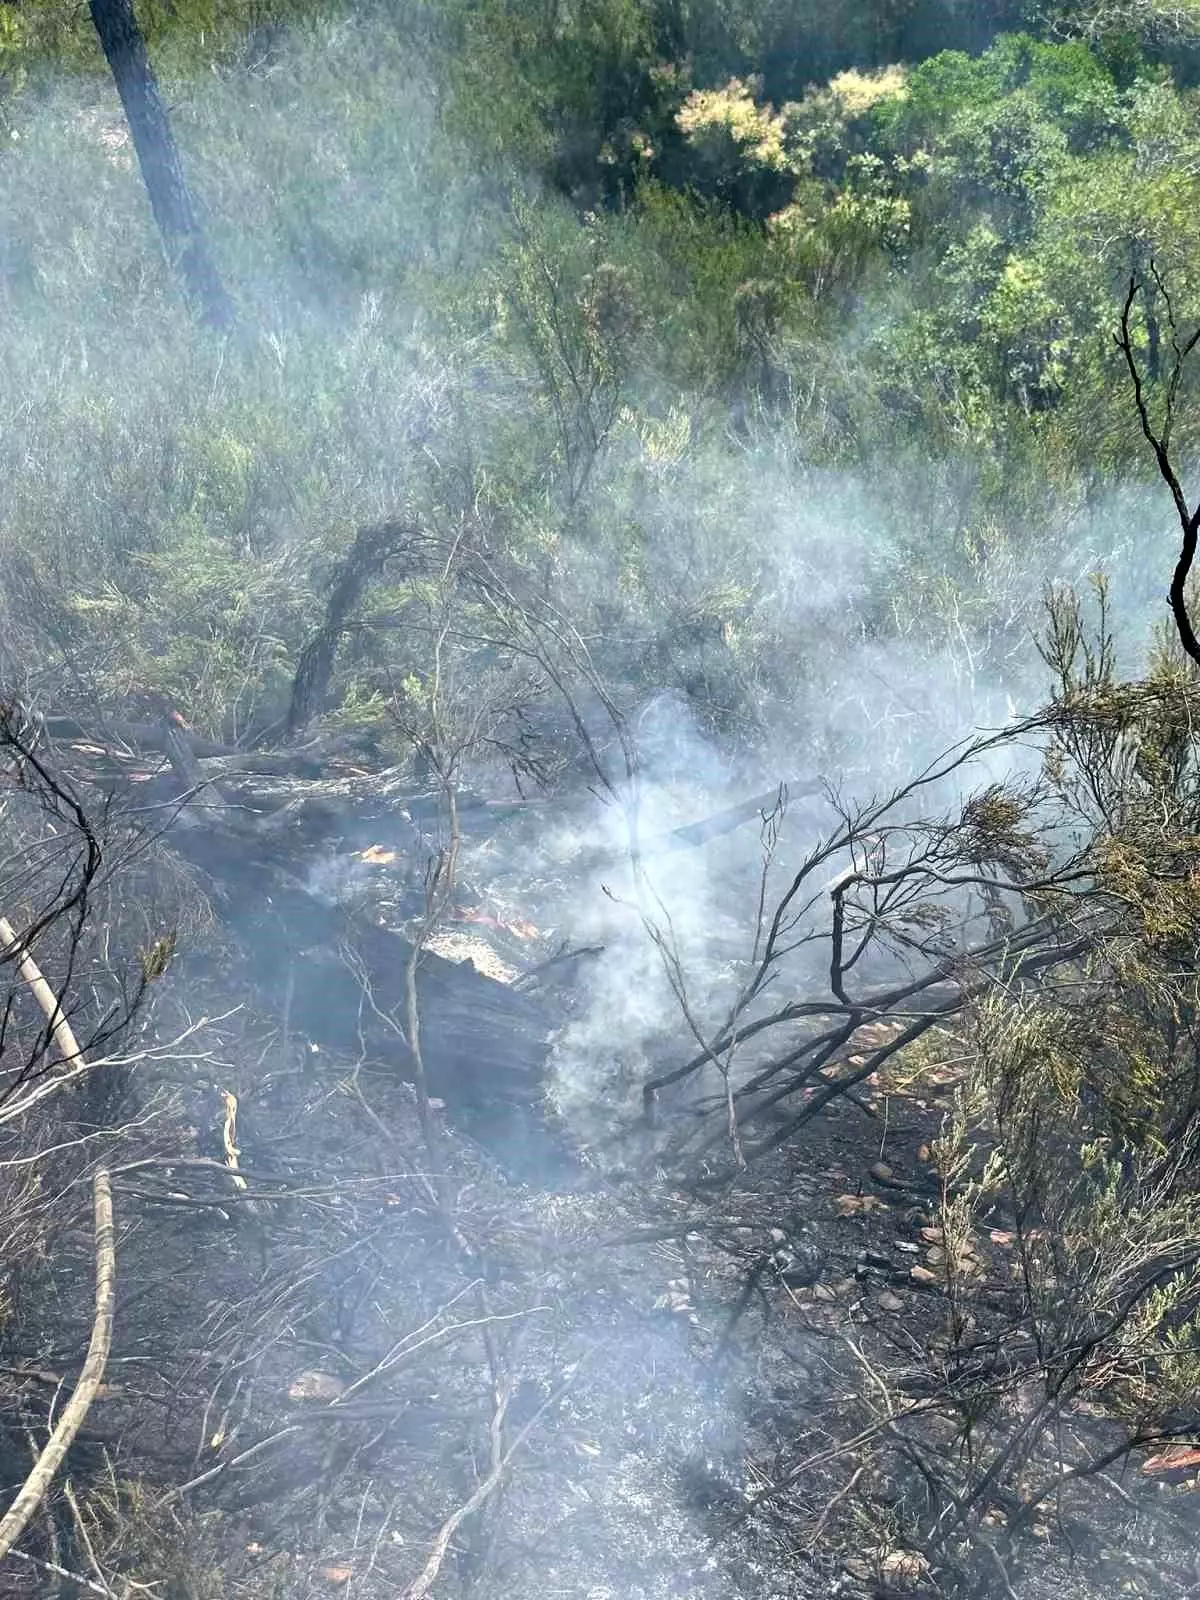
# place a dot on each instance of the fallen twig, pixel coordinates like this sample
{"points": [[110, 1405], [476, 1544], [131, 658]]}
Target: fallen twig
{"points": [[62, 1572], [34, 1488], [693, 834], [31, 974], [427, 1577]]}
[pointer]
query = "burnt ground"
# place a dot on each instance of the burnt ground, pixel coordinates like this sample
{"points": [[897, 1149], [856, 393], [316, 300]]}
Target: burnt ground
{"points": [[661, 1389], [639, 1385]]}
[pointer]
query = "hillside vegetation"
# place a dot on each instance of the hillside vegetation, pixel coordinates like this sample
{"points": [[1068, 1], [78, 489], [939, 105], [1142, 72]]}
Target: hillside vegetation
{"points": [[628, 407]]}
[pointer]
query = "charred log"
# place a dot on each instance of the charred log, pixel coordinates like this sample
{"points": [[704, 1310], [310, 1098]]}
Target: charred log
{"points": [[339, 978]]}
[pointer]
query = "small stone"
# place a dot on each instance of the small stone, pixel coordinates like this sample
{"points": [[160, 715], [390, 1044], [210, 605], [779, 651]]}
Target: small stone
{"points": [[881, 1171], [822, 1291], [904, 1567], [874, 1260], [888, 1301], [313, 1385], [799, 1268]]}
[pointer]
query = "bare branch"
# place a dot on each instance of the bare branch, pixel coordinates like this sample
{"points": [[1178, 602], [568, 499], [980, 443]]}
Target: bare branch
{"points": [[32, 1491], [1160, 442], [427, 1577]]}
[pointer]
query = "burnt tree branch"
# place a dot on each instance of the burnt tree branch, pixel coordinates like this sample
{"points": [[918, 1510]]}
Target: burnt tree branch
{"points": [[1159, 439]]}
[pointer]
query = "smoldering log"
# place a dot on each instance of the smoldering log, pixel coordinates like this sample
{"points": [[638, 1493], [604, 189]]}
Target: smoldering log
{"points": [[337, 973], [257, 826], [485, 1044]]}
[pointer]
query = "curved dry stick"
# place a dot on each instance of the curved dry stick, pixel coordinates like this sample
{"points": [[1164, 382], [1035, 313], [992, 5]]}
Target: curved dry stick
{"points": [[47, 1464], [363, 562], [501, 1460], [30, 1495], [64, 1036]]}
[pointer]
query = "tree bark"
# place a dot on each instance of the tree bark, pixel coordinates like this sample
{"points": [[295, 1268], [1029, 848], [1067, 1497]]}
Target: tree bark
{"points": [[158, 156]]}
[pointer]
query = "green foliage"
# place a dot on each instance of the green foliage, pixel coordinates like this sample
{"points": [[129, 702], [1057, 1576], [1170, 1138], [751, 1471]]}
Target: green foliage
{"points": [[911, 270], [1075, 1114], [735, 149], [699, 261], [574, 91], [577, 316]]}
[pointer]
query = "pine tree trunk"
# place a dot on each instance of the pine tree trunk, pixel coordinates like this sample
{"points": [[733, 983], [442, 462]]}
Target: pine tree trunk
{"points": [[158, 156]]}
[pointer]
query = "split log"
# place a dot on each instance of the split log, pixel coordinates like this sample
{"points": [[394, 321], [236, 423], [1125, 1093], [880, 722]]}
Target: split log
{"points": [[485, 1044], [186, 768]]}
